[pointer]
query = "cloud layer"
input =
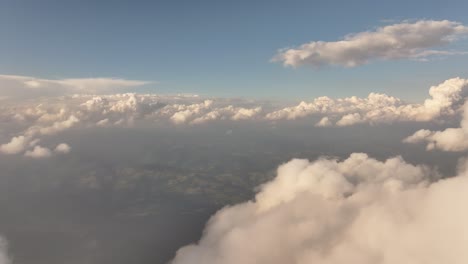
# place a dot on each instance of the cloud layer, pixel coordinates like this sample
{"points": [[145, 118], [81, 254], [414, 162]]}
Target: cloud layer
{"points": [[407, 40], [26, 122], [450, 139], [445, 99], [359, 210]]}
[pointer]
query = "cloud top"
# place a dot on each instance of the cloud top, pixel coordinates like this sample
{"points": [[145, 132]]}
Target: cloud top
{"points": [[359, 210], [407, 40]]}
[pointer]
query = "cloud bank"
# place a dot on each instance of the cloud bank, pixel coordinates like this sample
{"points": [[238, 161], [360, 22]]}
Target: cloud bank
{"points": [[407, 40], [26, 122], [445, 100], [450, 139], [359, 210]]}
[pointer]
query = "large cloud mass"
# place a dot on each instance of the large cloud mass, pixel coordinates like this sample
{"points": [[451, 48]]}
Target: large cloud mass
{"points": [[406, 40], [359, 210], [450, 139], [26, 122]]}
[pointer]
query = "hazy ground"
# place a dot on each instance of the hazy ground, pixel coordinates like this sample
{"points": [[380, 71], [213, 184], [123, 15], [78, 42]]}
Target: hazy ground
{"points": [[137, 195]]}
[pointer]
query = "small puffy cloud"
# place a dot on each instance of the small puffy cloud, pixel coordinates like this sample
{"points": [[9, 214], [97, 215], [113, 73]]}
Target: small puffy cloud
{"points": [[38, 153], [350, 119], [62, 148], [29, 87], [16, 145], [359, 210], [324, 122], [407, 40], [450, 139]]}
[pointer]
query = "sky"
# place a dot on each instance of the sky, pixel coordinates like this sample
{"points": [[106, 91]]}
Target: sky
{"points": [[225, 132], [218, 48]]}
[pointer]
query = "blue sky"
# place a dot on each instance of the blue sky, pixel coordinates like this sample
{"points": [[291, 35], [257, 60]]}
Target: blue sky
{"points": [[217, 48]]}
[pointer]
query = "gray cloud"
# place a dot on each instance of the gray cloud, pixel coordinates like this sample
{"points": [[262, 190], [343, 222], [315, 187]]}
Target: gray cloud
{"points": [[407, 40]]}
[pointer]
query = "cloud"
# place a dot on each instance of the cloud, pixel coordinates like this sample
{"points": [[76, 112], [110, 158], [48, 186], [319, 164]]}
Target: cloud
{"points": [[445, 99], [407, 40], [62, 148], [14, 86], [38, 153], [15, 146], [450, 139], [359, 210], [324, 122]]}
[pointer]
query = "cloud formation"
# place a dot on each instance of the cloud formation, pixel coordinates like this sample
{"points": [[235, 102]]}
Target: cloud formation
{"points": [[450, 139], [33, 120], [445, 100], [359, 210], [407, 40], [28, 121]]}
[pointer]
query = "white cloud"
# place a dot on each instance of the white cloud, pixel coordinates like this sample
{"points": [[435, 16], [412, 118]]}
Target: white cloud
{"points": [[62, 148], [324, 122], [15, 146], [450, 139], [407, 40], [359, 210], [38, 153], [445, 99]]}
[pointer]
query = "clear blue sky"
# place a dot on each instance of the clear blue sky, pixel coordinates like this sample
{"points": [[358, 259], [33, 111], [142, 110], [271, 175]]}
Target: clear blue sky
{"points": [[216, 48]]}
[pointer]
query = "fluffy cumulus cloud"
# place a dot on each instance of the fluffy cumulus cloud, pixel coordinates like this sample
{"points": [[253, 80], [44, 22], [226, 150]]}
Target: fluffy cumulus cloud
{"points": [[450, 139], [407, 40], [359, 210], [445, 100], [62, 148], [27, 122], [38, 152], [14, 86], [35, 119]]}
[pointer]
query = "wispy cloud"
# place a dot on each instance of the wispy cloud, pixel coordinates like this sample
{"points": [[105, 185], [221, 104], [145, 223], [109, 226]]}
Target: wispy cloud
{"points": [[27, 86]]}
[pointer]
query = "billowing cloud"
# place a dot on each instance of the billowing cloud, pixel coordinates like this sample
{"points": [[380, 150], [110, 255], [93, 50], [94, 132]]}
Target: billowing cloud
{"points": [[359, 210], [445, 100], [28, 121], [450, 139], [407, 40], [49, 116], [28, 87]]}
